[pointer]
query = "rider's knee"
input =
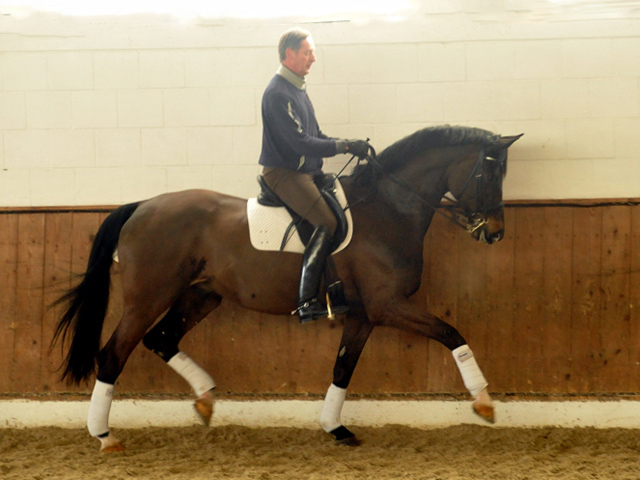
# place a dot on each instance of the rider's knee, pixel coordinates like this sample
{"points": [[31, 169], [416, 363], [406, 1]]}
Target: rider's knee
{"points": [[330, 222]]}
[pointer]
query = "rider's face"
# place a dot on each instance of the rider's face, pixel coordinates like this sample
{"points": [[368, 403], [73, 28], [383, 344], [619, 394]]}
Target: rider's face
{"points": [[299, 62]]}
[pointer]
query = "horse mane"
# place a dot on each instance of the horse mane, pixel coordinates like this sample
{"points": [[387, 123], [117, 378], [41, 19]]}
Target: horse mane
{"points": [[430, 137]]}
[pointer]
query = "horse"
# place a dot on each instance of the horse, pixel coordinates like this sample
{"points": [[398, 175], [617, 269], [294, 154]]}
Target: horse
{"points": [[182, 253]]}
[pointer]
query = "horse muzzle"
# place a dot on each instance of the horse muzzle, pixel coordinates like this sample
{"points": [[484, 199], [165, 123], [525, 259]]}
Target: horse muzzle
{"points": [[486, 230]]}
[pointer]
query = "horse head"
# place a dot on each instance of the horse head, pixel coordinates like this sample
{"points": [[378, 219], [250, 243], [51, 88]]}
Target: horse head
{"points": [[468, 163], [476, 184]]}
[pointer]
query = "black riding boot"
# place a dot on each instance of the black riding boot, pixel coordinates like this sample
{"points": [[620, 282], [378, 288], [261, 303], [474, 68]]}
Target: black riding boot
{"points": [[313, 263]]}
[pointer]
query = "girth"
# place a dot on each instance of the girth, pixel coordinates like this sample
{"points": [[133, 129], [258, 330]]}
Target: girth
{"points": [[325, 184]]}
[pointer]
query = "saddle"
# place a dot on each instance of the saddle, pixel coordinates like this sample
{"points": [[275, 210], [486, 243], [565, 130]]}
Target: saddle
{"points": [[326, 186]]}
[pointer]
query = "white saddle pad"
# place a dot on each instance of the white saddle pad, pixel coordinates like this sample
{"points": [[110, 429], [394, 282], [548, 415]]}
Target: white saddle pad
{"points": [[267, 226]]}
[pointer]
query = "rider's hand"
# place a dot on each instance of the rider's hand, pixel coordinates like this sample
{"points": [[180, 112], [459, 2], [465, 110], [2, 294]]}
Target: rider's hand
{"points": [[358, 148]]}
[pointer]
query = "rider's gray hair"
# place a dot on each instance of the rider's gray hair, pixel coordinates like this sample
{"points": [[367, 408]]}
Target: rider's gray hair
{"points": [[292, 39]]}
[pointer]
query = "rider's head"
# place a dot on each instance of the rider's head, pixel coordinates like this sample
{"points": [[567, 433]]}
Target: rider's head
{"points": [[297, 51]]}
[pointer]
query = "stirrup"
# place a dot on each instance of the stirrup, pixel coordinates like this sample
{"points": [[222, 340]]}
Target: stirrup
{"points": [[336, 300], [335, 309], [310, 310]]}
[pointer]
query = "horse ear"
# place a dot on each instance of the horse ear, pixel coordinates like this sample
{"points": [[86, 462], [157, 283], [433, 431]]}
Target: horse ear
{"points": [[506, 142]]}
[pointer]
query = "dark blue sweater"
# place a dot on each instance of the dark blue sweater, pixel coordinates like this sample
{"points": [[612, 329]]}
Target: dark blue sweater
{"points": [[291, 137]]}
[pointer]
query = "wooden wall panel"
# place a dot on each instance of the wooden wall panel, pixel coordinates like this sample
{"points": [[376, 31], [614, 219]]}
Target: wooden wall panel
{"points": [[57, 279], [8, 298], [553, 308], [586, 298], [218, 330], [499, 361], [556, 300], [528, 340], [615, 316], [634, 301], [28, 346]]}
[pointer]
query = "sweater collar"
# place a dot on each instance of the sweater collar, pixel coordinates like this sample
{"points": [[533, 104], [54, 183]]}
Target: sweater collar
{"points": [[298, 82]]}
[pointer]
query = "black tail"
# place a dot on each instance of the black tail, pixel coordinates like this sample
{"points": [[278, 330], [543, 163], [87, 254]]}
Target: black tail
{"points": [[87, 303]]}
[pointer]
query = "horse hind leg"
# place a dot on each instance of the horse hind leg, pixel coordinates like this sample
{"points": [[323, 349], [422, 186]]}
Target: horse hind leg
{"points": [[164, 337], [111, 361]]}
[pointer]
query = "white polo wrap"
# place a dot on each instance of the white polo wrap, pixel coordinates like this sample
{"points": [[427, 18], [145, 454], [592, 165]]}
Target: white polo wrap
{"points": [[200, 381], [332, 408], [101, 398], [471, 375]]}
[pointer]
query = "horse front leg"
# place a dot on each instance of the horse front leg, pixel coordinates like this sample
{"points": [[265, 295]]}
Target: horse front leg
{"points": [[405, 316], [355, 333], [475, 382]]}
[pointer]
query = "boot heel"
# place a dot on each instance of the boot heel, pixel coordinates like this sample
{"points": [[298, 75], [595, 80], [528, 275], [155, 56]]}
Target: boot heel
{"points": [[310, 311]]}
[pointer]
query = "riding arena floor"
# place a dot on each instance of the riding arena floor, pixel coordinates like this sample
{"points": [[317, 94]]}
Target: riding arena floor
{"points": [[464, 452]]}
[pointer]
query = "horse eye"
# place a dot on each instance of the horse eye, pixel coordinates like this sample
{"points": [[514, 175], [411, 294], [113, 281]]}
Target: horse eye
{"points": [[496, 168], [492, 167]]}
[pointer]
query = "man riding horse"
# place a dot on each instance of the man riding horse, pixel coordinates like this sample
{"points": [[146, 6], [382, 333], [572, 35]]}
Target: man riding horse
{"points": [[182, 253], [292, 151]]}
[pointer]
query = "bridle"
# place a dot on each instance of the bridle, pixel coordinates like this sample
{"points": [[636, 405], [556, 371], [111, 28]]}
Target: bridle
{"points": [[474, 220], [453, 211]]}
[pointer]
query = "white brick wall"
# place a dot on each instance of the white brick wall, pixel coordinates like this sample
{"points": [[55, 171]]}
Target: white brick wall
{"points": [[49, 109], [116, 70], [118, 147], [70, 70], [96, 111], [140, 108], [13, 112]]}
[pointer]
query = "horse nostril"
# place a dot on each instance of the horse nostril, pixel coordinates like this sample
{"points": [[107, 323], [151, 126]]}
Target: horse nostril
{"points": [[496, 237]]}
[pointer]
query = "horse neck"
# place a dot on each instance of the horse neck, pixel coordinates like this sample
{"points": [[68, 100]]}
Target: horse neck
{"points": [[422, 179], [405, 197]]}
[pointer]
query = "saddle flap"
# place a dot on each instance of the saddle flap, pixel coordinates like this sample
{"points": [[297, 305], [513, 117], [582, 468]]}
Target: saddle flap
{"points": [[268, 226], [326, 184]]}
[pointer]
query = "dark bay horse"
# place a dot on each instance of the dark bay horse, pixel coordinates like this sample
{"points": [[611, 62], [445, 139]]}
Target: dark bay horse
{"points": [[181, 253]]}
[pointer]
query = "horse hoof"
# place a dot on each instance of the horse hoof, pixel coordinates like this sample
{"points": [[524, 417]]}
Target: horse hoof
{"points": [[485, 412], [110, 444], [350, 442], [204, 408], [343, 436], [119, 447]]}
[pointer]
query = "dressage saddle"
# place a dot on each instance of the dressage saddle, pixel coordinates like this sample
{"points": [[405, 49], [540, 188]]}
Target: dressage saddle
{"points": [[326, 185], [333, 287]]}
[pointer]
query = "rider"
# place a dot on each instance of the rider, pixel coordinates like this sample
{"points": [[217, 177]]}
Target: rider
{"points": [[292, 151]]}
